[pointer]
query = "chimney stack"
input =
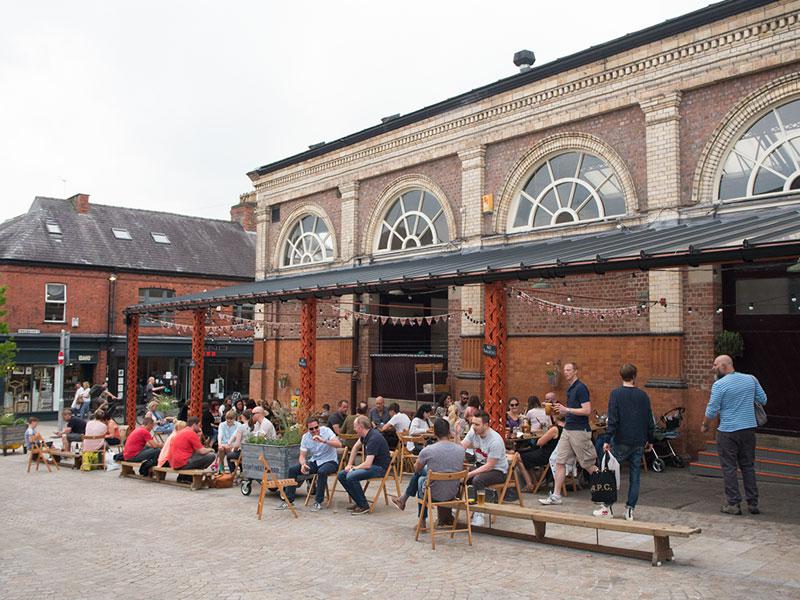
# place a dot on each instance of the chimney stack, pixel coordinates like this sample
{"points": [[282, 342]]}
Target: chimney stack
{"points": [[244, 213], [80, 202]]}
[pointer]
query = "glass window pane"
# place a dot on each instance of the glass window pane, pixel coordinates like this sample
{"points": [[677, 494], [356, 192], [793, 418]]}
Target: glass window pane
{"points": [[767, 181], [393, 214], [564, 165], [589, 210], [430, 206], [765, 132], [523, 213], [442, 232], [735, 174], [541, 218], [56, 292], [54, 312], [383, 242], [594, 170], [549, 201], [770, 296], [426, 239], [790, 115], [564, 191], [539, 181]]}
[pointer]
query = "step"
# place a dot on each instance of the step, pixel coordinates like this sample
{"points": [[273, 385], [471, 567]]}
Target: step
{"points": [[765, 453], [781, 442], [761, 464], [716, 471]]}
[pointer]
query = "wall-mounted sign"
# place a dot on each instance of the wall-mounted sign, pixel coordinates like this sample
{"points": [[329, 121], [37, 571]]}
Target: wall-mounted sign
{"points": [[490, 350], [85, 357], [32, 331], [487, 203]]}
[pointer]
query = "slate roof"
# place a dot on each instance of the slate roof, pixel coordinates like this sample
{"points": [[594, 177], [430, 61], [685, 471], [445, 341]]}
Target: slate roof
{"points": [[206, 247], [736, 236]]}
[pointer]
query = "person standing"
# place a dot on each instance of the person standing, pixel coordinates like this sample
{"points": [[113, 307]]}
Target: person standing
{"points": [[575, 442], [630, 430], [151, 389], [732, 397]]}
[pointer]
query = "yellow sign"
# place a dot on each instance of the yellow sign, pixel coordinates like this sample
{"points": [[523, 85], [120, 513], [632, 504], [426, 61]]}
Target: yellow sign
{"points": [[487, 203], [294, 401]]}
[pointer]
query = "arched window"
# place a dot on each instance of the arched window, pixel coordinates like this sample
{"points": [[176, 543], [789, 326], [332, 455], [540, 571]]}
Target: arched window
{"points": [[414, 219], [567, 188], [309, 241], [766, 158]]}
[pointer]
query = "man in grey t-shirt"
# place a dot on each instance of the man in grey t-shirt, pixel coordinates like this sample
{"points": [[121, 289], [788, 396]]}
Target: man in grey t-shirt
{"points": [[442, 457]]}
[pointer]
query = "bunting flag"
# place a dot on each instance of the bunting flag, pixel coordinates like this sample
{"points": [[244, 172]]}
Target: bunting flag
{"points": [[598, 313], [346, 313]]}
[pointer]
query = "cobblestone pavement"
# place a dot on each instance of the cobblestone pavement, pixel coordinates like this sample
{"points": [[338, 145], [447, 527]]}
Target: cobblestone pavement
{"points": [[70, 534]]}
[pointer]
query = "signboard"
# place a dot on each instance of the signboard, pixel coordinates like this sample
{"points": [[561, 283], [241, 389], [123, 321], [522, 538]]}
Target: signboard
{"points": [[490, 350], [32, 331], [60, 358], [303, 363], [85, 357]]}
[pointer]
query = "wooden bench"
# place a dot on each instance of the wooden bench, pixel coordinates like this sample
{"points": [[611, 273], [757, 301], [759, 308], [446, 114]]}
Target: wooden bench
{"points": [[541, 517], [200, 477], [131, 469], [75, 457]]}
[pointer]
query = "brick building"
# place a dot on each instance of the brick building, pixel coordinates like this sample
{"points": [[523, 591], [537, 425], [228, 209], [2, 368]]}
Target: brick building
{"points": [[74, 266], [661, 165]]}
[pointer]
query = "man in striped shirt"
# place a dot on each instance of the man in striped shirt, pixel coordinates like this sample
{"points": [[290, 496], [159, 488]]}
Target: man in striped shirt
{"points": [[732, 398]]}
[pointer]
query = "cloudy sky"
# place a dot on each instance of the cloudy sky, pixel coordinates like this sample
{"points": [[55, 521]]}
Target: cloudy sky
{"points": [[165, 105]]}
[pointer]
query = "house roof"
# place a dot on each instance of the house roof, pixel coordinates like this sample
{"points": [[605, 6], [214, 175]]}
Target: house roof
{"points": [[672, 27], [735, 236], [197, 246]]}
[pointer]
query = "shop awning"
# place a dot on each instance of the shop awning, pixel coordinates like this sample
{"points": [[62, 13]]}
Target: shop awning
{"points": [[730, 237]]}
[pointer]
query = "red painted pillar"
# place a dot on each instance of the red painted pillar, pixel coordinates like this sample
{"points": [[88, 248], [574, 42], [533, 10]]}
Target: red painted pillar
{"points": [[198, 354], [494, 367], [308, 348], [132, 376]]}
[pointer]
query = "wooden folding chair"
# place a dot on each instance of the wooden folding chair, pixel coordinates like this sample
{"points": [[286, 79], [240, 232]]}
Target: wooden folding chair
{"points": [[269, 481], [459, 503], [407, 457], [502, 488], [329, 489], [41, 454], [382, 486], [101, 463]]}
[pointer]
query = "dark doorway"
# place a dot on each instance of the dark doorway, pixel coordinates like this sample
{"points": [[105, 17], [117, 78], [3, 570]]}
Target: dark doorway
{"points": [[761, 303]]}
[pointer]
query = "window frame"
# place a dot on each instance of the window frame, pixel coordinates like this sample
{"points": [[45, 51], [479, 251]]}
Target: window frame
{"points": [[63, 303], [121, 230], [418, 214], [156, 234], [314, 234], [144, 295]]}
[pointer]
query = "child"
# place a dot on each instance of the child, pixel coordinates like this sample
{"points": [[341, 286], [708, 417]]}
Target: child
{"points": [[30, 432]]}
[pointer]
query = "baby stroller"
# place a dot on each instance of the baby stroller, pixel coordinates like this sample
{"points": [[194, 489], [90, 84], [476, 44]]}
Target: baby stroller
{"points": [[667, 428]]}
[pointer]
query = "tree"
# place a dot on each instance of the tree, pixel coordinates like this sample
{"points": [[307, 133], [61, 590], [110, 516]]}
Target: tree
{"points": [[8, 349]]}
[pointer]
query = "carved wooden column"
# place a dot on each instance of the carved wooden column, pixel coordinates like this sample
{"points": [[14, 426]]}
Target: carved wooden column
{"points": [[133, 368], [494, 367], [198, 355], [308, 349]]}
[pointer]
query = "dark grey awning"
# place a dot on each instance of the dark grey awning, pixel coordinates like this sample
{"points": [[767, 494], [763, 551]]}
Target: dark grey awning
{"points": [[732, 237]]}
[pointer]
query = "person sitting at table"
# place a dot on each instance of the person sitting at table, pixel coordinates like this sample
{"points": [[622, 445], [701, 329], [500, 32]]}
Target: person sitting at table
{"points": [[229, 438], [513, 415], [112, 431], [74, 429], [538, 452], [419, 424], [461, 405], [443, 456], [325, 412], [348, 427], [376, 460], [223, 409], [187, 452], [239, 406], [398, 423], [443, 409], [379, 415], [536, 414], [317, 456], [163, 455], [163, 423], [490, 455], [95, 427], [336, 419], [140, 445], [209, 423], [261, 425]]}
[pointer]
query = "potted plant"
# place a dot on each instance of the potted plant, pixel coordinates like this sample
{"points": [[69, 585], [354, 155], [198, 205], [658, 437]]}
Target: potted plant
{"points": [[12, 433], [167, 406], [730, 343], [282, 452]]}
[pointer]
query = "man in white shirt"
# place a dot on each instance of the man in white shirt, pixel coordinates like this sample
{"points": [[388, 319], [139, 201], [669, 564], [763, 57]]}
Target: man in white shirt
{"points": [[490, 454], [263, 426], [317, 455], [398, 424]]}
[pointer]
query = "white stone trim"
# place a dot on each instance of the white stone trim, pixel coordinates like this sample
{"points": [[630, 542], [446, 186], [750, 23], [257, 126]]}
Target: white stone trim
{"points": [[289, 223], [549, 147], [740, 118]]}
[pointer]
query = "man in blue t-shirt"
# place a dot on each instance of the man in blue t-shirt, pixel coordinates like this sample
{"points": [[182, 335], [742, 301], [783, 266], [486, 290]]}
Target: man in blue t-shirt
{"points": [[630, 431], [317, 456], [375, 463], [575, 442], [732, 398]]}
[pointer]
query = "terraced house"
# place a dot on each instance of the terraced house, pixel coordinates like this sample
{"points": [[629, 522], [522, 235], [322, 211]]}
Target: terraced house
{"points": [[625, 203]]}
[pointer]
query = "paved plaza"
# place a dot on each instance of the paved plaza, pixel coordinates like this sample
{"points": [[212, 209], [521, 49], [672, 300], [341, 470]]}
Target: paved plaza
{"points": [[71, 534]]}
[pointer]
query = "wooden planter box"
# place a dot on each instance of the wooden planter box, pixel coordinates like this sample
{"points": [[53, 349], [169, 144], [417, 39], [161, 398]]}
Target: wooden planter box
{"points": [[12, 437], [280, 459]]}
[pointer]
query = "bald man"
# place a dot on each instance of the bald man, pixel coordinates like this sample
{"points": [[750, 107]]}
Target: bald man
{"points": [[732, 398]]}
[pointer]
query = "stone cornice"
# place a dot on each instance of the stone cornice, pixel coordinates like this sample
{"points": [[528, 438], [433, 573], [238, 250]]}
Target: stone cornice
{"points": [[612, 82], [661, 108]]}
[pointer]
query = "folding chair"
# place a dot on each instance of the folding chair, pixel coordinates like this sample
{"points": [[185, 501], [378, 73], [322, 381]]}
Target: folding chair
{"points": [[407, 458], [329, 489], [502, 488], [101, 462], [459, 503], [37, 453], [382, 486], [269, 481]]}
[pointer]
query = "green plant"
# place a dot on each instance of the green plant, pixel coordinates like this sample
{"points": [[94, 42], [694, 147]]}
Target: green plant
{"points": [[290, 437], [8, 420], [730, 343], [166, 404]]}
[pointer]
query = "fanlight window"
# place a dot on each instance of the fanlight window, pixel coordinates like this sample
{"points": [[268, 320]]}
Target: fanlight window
{"points": [[568, 188], [766, 159], [414, 220], [308, 242]]}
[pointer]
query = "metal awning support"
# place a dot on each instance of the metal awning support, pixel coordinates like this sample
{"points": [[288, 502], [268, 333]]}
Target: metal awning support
{"points": [[308, 348], [133, 368], [198, 358], [494, 359]]}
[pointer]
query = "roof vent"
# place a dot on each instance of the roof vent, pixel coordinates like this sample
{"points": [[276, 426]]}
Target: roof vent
{"points": [[53, 228], [317, 145], [390, 118], [524, 59]]}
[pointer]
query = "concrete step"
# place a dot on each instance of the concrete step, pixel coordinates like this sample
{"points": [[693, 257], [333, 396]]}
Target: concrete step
{"points": [[765, 453], [706, 470], [762, 464], [780, 442]]}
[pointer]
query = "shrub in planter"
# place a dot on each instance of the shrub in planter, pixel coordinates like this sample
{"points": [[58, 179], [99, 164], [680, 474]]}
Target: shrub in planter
{"points": [[730, 343], [12, 433]]}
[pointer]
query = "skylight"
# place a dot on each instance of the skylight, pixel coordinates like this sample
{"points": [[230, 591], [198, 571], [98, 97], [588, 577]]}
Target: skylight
{"points": [[160, 238], [121, 234], [53, 228]]}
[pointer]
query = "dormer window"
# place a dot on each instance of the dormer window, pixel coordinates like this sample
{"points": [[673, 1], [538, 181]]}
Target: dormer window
{"points": [[121, 234], [160, 238]]}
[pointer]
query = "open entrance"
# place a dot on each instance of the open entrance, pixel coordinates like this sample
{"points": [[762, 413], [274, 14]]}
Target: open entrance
{"points": [[411, 363], [762, 304]]}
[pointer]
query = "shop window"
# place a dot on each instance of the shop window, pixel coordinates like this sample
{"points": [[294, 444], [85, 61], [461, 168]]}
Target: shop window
{"points": [[152, 296], [55, 302], [568, 188], [244, 311], [309, 241], [415, 219], [768, 296]]}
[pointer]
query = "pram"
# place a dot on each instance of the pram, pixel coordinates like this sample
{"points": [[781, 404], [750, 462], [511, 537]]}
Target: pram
{"points": [[667, 428]]}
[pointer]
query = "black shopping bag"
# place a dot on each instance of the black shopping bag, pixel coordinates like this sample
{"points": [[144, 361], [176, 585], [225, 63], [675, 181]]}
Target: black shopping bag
{"points": [[604, 483]]}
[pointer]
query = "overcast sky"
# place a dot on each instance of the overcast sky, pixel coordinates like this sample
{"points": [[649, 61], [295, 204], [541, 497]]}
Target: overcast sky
{"points": [[166, 105]]}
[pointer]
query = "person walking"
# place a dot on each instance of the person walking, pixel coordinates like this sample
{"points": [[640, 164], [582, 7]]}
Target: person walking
{"points": [[732, 397], [630, 430]]}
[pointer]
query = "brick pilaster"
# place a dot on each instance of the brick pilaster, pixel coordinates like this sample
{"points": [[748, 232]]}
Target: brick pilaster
{"points": [[662, 122]]}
